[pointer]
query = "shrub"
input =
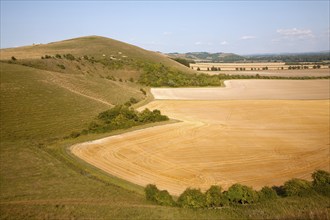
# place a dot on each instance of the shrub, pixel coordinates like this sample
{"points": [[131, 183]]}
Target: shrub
{"points": [[58, 56], [13, 58], [160, 197], [214, 197], [48, 56], [133, 100], [69, 56], [61, 66], [151, 191], [321, 182], [241, 194], [74, 134], [267, 193], [111, 78], [143, 91], [321, 177], [192, 198], [164, 198], [297, 187]]}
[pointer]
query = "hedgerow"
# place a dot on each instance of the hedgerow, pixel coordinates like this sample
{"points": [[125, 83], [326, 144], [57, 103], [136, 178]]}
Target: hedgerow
{"points": [[239, 194]]}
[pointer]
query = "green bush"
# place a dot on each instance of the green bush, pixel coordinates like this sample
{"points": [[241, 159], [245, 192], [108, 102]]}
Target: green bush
{"points": [[240, 194], [267, 193], [164, 198], [69, 56], [61, 66], [58, 56], [13, 58], [75, 134], [321, 177], [214, 197], [192, 198], [160, 197], [133, 100], [151, 191], [297, 187], [143, 91], [321, 182]]}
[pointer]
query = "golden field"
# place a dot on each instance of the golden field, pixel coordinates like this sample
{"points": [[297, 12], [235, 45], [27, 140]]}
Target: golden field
{"points": [[253, 142]]}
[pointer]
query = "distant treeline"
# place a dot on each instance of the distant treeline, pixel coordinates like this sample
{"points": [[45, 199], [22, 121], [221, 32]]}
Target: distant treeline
{"points": [[291, 58], [239, 194], [158, 75]]}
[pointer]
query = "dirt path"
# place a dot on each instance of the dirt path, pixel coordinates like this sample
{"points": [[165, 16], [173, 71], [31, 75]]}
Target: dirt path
{"points": [[253, 142]]}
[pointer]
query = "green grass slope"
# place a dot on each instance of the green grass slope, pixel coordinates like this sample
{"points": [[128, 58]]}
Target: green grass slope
{"points": [[93, 46], [41, 103]]}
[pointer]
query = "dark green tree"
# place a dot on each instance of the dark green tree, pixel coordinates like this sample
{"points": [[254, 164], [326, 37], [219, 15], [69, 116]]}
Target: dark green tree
{"points": [[192, 198]]}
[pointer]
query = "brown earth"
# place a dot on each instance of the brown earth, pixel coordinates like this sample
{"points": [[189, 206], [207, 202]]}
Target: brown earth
{"points": [[253, 142]]}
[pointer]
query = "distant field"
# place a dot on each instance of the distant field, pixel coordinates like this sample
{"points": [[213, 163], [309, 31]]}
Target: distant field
{"points": [[251, 90], [254, 142], [281, 73], [251, 66]]}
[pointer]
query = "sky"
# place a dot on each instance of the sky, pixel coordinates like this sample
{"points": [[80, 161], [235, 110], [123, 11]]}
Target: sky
{"points": [[242, 27]]}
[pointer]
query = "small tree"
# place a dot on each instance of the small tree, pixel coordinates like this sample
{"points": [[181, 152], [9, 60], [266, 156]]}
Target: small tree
{"points": [[267, 193], [164, 198], [238, 193], [143, 91], [151, 191], [321, 182], [214, 197], [160, 197], [192, 198], [297, 187]]}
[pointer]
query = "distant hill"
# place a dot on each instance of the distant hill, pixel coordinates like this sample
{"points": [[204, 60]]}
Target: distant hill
{"points": [[66, 83], [208, 57]]}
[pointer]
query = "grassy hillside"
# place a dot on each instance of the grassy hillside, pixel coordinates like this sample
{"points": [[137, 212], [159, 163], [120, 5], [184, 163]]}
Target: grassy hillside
{"points": [[42, 102]]}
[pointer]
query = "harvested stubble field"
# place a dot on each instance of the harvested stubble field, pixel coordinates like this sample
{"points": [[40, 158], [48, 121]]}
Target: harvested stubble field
{"points": [[281, 73], [254, 142]]}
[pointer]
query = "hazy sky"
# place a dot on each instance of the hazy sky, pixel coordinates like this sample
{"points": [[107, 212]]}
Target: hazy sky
{"points": [[243, 27]]}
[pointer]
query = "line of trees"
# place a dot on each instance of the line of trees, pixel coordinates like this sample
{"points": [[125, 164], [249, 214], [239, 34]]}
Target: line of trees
{"points": [[183, 61], [121, 117], [158, 75], [241, 194]]}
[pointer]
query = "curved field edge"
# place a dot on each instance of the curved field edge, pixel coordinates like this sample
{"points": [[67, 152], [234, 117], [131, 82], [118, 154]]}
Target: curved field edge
{"points": [[63, 150]]}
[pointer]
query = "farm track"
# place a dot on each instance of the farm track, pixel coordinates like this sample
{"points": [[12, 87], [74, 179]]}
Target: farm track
{"points": [[254, 142]]}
